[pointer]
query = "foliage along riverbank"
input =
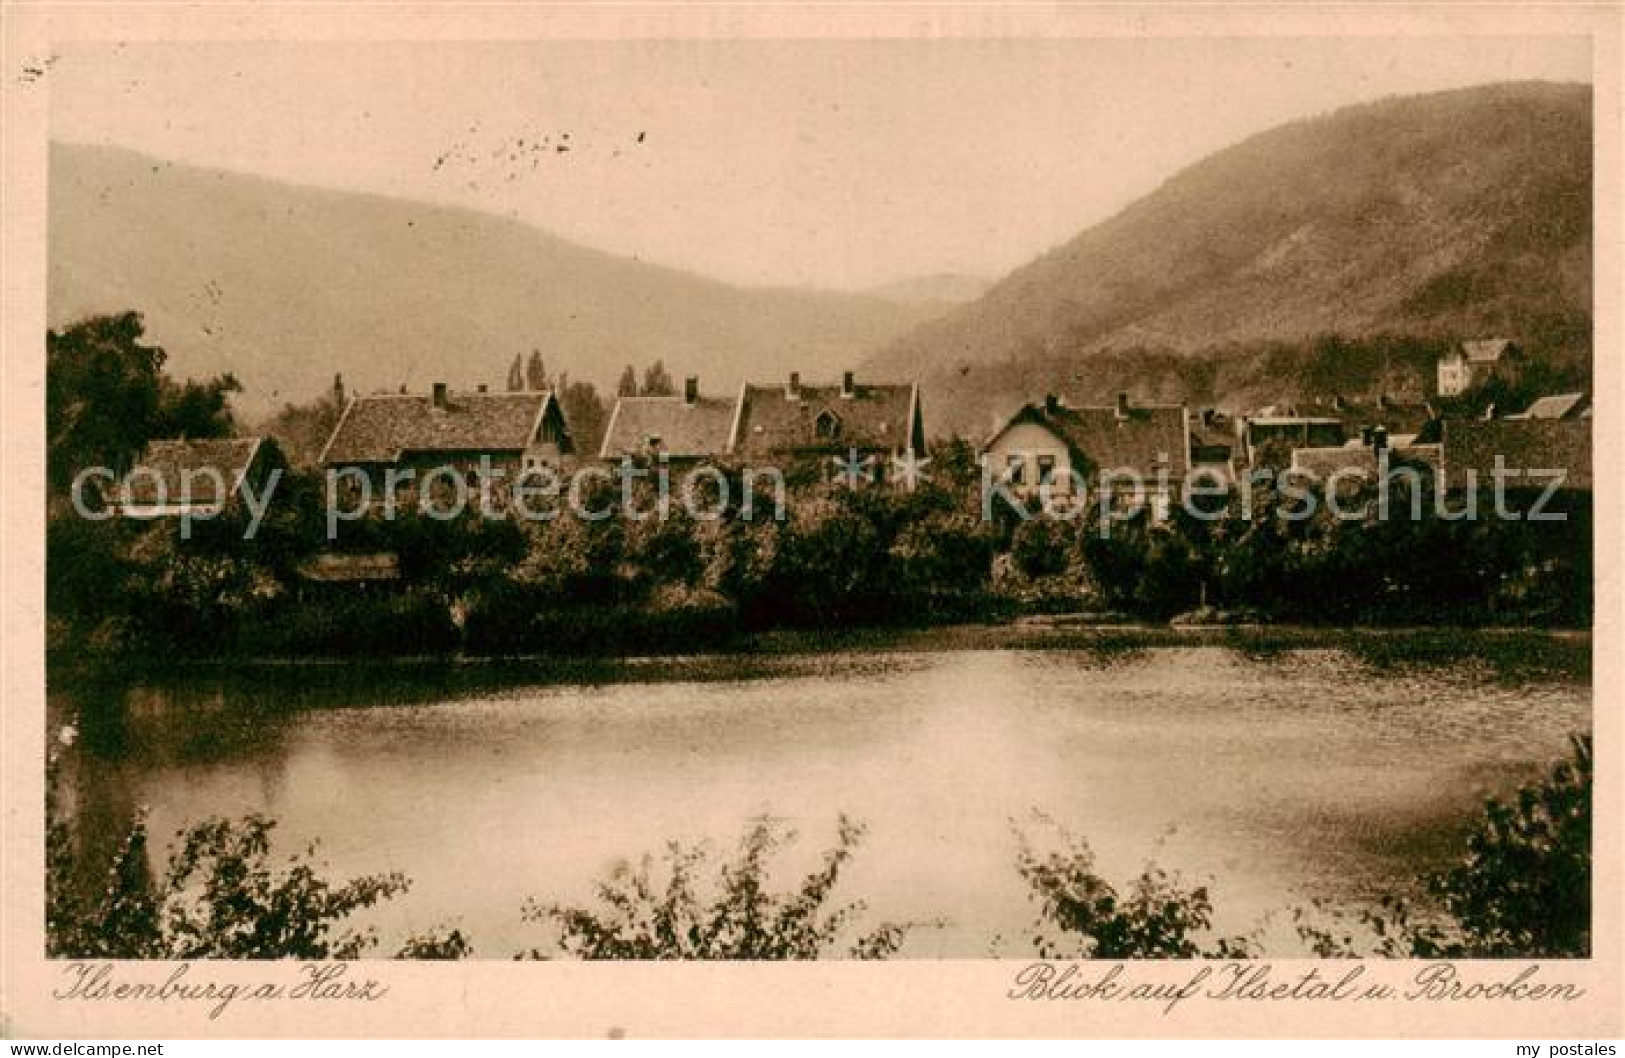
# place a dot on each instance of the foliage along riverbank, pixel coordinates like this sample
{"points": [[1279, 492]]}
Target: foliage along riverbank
{"points": [[842, 557]]}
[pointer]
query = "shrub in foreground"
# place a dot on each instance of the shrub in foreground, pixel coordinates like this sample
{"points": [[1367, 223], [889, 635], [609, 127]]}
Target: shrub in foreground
{"points": [[218, 898], [671, 911], [1083, 916]]}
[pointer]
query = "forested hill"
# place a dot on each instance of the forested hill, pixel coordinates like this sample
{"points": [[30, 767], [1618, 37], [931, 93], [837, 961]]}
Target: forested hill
{"points": [[1459, 213]]}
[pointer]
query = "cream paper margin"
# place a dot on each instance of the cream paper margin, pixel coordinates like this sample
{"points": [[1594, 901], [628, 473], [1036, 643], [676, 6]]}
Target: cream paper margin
{"points": [[912, 998]]}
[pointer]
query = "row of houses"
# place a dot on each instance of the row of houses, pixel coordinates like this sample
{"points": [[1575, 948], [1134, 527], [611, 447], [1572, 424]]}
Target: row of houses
{"points": [[385, 438], [1160, 447], [524, 431], [1052, 441]]}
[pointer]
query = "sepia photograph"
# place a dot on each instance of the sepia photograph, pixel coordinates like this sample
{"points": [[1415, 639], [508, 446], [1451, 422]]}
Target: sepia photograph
{"points": [[1046, 501]]}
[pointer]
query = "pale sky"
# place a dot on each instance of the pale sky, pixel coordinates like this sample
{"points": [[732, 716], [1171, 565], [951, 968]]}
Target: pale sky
{"points": [[838, 164]]}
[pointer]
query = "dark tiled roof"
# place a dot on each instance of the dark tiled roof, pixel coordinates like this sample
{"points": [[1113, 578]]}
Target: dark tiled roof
{"points": [[1145, 440], [1523, 444], [378, 428], [877, 415], [168, 460], [685, 430], [1324, 462], [1396, 418]]}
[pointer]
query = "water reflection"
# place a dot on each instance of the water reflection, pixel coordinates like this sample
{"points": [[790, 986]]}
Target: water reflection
{"points": [[1284, 766]]}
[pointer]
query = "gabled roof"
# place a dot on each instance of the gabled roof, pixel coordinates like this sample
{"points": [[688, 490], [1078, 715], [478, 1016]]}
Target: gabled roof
{"points": [[877, 415], [1556, 406], [166, 461], [1487, 350], [687, 430], [1523, 444], [379, 428], [1143, 440]]}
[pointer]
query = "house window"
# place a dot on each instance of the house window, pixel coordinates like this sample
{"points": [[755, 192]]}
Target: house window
{"points": [[828, 426], [1046, 468], [1015, 469]]}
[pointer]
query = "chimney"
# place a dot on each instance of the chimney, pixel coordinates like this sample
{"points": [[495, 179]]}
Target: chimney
{"points": [[483, 388], [1122, 406], [691, 389], [793, 390], [847, 388], [440, 396], [1052, 403]]}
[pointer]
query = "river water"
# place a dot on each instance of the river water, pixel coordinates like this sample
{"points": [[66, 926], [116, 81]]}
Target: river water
{"points": [[1276, 769]]}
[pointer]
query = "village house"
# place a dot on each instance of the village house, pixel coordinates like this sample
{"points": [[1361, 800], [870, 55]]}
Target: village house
{"points": [[1400, 422], [685, 429], [1473, 362], [1357, 464], [799, 421], [1530, 451], [1124, 447], [200, 478], [774, 425], [516, 431]]}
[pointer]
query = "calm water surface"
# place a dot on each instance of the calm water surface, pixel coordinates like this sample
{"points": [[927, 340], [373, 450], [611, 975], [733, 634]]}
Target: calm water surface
{"points": [[1324, 766]]}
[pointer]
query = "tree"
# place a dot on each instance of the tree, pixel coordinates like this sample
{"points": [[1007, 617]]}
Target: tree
{"points": [[584, 412], [535, 371], [102, 387], [516, 375], [656, 382], [196, 409], [628, 385], [302, 430], [106, 396]]}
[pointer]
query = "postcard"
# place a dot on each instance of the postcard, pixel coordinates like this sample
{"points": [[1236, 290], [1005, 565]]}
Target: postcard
{"points": [[733, 520]]}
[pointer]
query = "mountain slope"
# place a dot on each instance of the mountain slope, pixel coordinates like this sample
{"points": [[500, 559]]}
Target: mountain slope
{"points": [[1457, 213], [285, 285]]}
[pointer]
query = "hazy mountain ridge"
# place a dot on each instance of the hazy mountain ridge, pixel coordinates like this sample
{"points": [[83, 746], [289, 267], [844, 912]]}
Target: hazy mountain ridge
{"points": [[285, 285], [1456, 213], [947, 288]]}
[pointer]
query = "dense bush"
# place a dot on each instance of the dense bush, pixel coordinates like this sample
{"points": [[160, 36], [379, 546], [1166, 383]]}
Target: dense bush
{"points": [[1523, 889], [218, 898], [1081, 915], [671, 911]]}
